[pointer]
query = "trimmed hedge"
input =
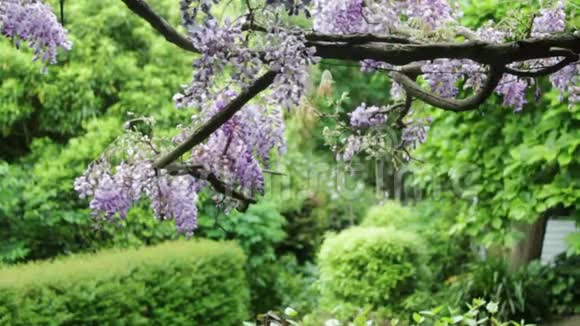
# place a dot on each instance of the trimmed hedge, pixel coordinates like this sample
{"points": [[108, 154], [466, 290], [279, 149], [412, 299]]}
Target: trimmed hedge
{"points": [[176, 283], [369, 266]]}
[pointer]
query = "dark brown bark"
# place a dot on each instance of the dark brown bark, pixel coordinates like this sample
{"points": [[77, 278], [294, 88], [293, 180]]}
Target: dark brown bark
{"points": [[143, 10], [482, 52], [529, 248]]}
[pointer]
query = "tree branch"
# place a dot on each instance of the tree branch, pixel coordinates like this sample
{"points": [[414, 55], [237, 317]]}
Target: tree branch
{"points": [[455, 105], [569, 58], [143, 10], [405, 111], [393, 49], [358, 38], [217, 120], [482, 52], [220, 186]]}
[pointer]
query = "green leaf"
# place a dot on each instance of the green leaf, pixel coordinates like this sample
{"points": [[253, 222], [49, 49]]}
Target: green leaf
{"points": [[418, 318]]}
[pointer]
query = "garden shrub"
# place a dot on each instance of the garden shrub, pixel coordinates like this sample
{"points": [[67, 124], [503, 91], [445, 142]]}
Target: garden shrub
{"points": [[370, 266], [476, 312], [175, 283], [535, 293], [446, 251], [563, 279], [391, 213]]}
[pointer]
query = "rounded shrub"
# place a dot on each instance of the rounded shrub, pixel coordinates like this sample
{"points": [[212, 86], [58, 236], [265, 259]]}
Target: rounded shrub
{"points": [[391, 213], [369, 266]]}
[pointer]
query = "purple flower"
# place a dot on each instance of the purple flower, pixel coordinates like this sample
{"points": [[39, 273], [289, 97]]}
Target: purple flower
{"points": [[433, 12], [549, 20], [110, 199], [513, 90], [175, 198], [354, 144], [415, 132], [35, 23], [442, 75], [364, 117]]}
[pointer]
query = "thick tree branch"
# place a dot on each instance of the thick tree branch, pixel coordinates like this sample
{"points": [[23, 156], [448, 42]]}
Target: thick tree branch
{"points": [[217, 120], [456, 105], [358, 39], [392, 49], [482, 52], [143, 10]]}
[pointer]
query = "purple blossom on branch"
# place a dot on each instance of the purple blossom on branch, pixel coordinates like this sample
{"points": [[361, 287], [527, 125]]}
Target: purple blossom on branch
{"points": [[34, 23], [364, 117]]}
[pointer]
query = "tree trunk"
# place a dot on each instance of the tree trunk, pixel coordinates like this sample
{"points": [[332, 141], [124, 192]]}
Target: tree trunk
{"points": [[529, 248]]}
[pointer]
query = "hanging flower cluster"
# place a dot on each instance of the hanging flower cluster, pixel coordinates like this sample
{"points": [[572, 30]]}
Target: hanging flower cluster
{"points": [[33, 23]]}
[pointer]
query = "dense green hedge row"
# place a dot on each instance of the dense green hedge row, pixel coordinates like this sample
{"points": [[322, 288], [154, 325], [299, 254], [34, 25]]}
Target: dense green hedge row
{"points": [[176, 283]]}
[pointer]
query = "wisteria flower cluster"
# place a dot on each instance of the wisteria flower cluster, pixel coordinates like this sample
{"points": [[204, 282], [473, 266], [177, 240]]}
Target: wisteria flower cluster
{"points": [[112, 194], [364, 117], [114, 189], [443, 75], [379, 16], [234, 152], [34, 23], [227, 46]]}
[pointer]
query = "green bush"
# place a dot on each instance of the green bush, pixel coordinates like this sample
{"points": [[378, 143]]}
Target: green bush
{"points": [[391, 213], [176, 283], [532, 293], [369, 266], [446, 251], [564, 281]]}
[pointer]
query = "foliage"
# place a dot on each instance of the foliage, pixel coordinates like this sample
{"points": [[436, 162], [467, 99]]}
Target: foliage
{"points": [[521, 294], [258, 231], [446, 253], [54, 124], [480, 312], [390, 213], [534, 292], [296, 284], [573, 241], [314, 193], [563, 285], [178, 283], [378, 267], [501, 169]]}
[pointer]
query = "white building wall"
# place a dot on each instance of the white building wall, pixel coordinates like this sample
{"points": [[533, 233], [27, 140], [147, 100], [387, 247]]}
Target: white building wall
{"points": [[555, 238]]}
